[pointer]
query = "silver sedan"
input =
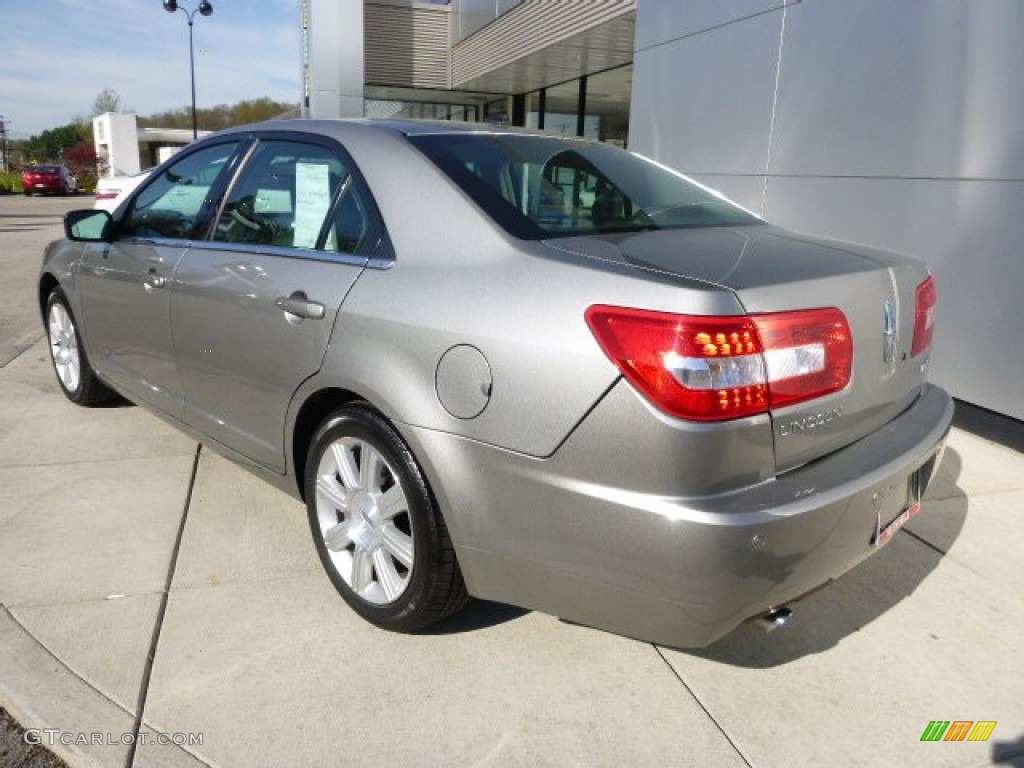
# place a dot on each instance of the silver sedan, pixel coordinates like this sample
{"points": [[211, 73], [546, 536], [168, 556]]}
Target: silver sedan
{"points": [[515, 366]]}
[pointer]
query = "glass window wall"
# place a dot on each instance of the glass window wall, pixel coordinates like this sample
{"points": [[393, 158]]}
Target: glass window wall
{"points": [[605, 102]]}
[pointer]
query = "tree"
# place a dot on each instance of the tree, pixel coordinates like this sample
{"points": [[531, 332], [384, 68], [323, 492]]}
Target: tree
{"points": [[49, 145], [85, 164], [220, 116], [106, 100]]}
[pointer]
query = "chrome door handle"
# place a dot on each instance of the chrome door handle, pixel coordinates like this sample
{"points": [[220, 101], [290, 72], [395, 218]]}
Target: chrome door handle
{"points": [[300, 307], [153, 280]]}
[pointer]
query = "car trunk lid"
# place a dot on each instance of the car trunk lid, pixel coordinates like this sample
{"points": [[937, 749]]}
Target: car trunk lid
{"points": [[771, 270]]}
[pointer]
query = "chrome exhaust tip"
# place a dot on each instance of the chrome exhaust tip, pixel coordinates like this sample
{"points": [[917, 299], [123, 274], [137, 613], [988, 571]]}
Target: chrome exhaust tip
{"points": [[772, 620]]}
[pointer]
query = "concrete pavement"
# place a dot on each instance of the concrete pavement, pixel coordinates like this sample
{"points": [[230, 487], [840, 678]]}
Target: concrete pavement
{"points": [[150, 587], [26, 225], [257, 654]]}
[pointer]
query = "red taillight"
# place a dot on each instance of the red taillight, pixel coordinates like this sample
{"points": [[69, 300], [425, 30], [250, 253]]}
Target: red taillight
{"points": [[808, 354], [924, 316], [107, 194], [716, 368]]}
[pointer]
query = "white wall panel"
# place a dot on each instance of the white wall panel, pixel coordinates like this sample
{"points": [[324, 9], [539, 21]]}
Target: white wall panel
{"points": [[912, 88], [704, 103], [666, 21], [897, 124], [969, 233], [336, 58]]}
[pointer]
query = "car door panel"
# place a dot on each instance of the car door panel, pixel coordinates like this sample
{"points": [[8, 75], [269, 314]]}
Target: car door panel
{"points": [[253, 308], [124, 289], [125, 285], [242, 356]]}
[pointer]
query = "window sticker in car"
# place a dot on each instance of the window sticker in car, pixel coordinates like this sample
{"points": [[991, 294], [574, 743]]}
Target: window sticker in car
{"points": [[182, 197], [312, 199], [273, 201]]}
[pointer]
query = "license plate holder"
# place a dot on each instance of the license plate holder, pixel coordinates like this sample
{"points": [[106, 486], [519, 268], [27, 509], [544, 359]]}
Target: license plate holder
{"points": [[884, 533]]}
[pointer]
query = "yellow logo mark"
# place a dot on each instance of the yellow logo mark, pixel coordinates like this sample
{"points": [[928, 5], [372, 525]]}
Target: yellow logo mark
{"points": [[982, 730]]}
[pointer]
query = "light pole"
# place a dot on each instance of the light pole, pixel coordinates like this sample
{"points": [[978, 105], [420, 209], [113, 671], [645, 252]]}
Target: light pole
{"points": [[3, 145], [204, 9]]}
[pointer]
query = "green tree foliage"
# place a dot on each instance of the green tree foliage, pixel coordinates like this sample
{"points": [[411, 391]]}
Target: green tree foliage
{"points": [[221, 116], [49, 145], [10, 182], [52, 145]]}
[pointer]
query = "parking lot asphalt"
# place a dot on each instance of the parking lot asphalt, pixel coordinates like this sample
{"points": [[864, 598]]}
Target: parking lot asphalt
{"points": [[150, 587]]}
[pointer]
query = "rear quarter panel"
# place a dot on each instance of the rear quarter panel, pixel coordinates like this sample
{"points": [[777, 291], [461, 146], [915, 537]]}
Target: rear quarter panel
{"points": [[459, 280]]}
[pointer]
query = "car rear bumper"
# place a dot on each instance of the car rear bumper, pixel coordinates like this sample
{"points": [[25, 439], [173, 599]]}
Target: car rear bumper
{"points": [[681, 571]]}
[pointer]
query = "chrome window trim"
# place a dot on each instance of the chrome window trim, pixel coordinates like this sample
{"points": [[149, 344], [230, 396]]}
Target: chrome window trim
{"points": [[239, 170], [377, 261], [310, 254]]}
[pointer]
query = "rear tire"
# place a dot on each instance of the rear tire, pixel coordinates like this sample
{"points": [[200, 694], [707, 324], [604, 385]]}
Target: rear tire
{"points": [[376, 526], [75, 375]]}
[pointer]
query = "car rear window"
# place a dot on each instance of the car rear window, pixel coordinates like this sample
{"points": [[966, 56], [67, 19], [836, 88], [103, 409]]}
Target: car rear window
{"points": [[44, 169], [540, 187]]}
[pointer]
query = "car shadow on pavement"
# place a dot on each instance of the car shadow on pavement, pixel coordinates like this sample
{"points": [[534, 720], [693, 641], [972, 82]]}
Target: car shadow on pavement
{"points": [[115, 401], [480, 614], [1009, 752], [859, 597]]}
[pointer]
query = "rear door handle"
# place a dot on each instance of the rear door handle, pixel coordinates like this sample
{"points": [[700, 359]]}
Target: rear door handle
{"points": [[300, 306], [153, 280]]}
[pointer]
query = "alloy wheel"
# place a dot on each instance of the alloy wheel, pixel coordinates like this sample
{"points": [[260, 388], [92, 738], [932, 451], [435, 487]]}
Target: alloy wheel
{"points": [[364, 520], [64, 347]]}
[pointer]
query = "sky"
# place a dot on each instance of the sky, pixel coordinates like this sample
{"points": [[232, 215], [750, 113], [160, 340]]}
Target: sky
{"points": [[57, 55]]}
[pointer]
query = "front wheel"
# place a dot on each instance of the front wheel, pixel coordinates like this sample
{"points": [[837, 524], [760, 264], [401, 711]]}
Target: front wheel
{"points": [[376, 526], [77, 379]]}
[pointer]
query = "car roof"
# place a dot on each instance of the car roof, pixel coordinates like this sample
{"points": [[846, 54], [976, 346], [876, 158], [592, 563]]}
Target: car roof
{"points": [[342, 126]]}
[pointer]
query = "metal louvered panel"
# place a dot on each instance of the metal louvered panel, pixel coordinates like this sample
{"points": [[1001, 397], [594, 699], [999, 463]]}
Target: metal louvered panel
{"points": [[528, 28], [407, 45]]}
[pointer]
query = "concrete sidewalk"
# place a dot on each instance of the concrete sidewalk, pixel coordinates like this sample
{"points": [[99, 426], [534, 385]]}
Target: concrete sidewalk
{"points": [[254, 653]]}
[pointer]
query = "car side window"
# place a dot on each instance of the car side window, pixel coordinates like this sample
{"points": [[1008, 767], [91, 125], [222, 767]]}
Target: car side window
{"points": [[351, 226], [170, 204], [283, 196]]}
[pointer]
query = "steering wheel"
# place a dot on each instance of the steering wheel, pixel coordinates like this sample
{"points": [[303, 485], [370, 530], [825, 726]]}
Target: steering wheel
{"points": [[255, 227]]}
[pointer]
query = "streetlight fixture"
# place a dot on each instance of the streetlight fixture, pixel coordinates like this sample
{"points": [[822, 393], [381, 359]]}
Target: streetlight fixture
{"points": [[204, 9]]}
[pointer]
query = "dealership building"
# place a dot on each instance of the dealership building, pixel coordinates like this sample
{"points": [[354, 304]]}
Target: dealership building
{"points": [[895, 125]]}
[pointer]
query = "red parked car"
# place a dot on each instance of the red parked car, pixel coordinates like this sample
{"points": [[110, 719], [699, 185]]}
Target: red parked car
{"points": [[54, 179]]}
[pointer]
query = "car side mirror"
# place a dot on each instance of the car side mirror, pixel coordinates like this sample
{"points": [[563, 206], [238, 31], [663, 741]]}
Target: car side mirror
{"points": [[89, 226]]}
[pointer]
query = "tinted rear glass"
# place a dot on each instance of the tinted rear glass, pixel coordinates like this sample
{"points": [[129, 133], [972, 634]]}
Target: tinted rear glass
{"points": [[540, 187], [45, 169]]}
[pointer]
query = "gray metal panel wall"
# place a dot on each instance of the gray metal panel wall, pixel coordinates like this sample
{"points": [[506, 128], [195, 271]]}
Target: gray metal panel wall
{"points": [[897, 125], [336, 58], [407, 45], [473, 15], [529, 27]]}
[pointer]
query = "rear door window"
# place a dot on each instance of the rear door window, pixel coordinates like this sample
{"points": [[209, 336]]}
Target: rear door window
{"points": [[283, 196]]}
